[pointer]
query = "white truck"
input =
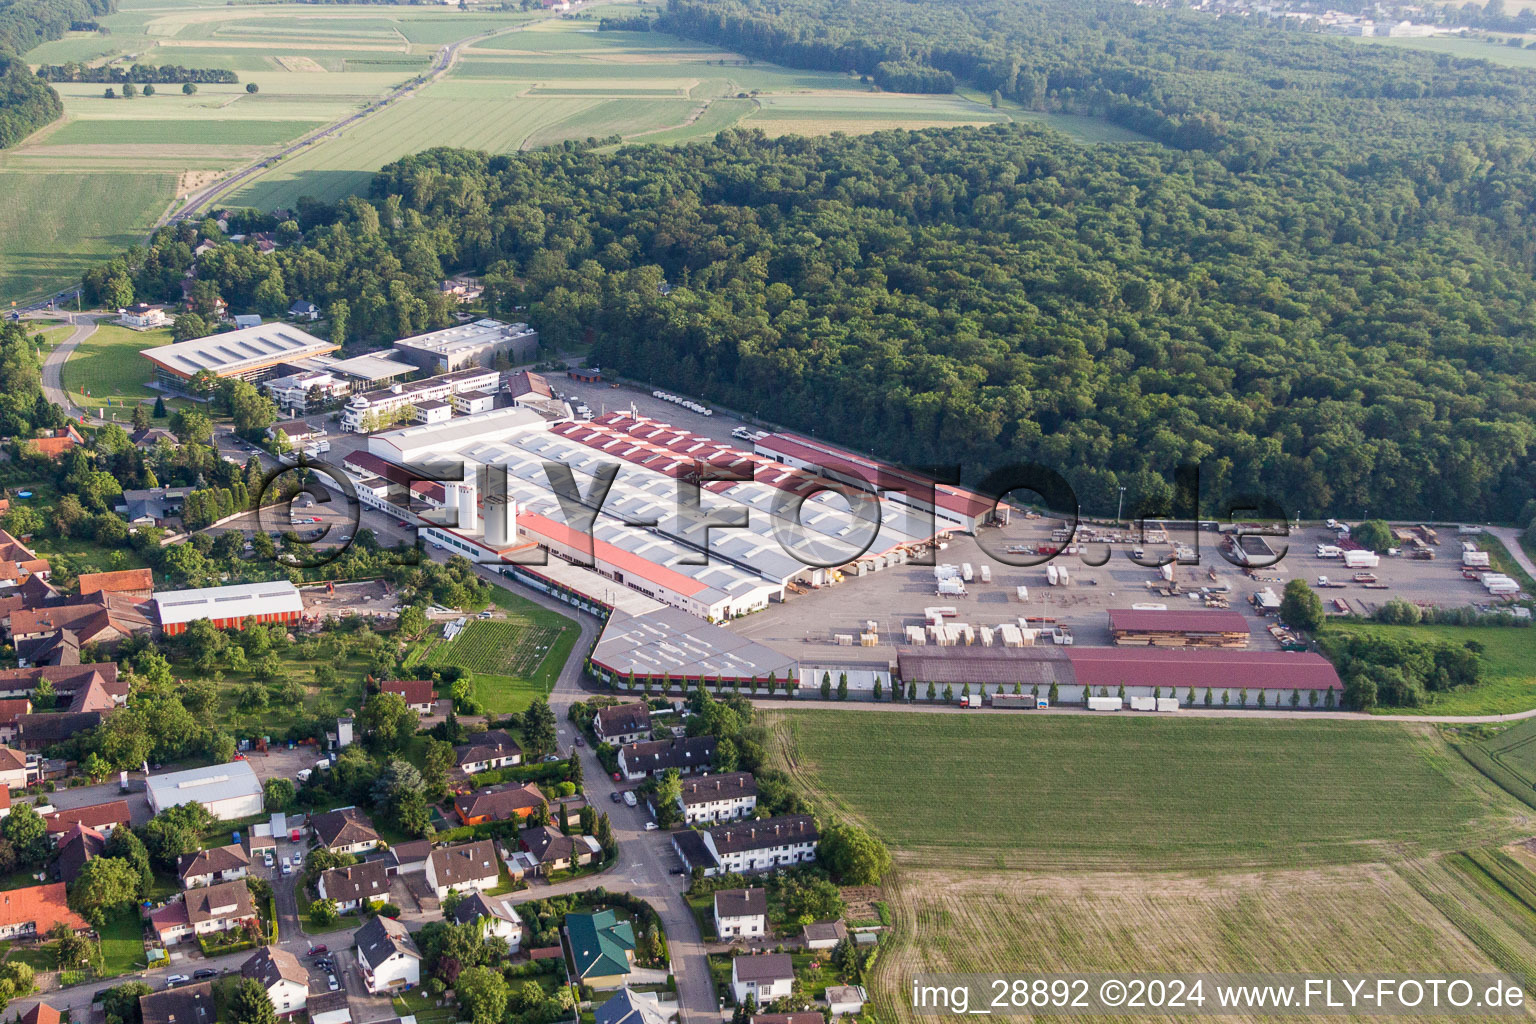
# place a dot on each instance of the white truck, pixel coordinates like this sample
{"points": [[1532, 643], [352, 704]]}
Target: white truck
{"points": [[986, 574], [1329, 551], [1053, 575], [1061, 574], [1361, 559], [966, 572], [1023, 593]]}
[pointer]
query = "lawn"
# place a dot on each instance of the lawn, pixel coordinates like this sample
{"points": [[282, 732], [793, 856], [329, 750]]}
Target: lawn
{"points": [[106, 372], [52, 223], [424, 1008], [122, 944], [1018, 791], [1508, 652]]}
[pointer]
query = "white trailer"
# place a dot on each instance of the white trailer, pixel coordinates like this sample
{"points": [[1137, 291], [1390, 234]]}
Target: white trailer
{"points": [[1023, 593], [1104, 704], [1053, 575], [1143, 703], [951, 588], [986, 574], [1329, 551], [967, 573], [1475, 559], [1167, 703], [1361, 559], [1166, 571], [1062, 575]]}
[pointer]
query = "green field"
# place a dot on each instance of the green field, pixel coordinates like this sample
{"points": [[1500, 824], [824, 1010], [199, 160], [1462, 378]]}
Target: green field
{"points": [[513, 659], [50, 224], [1509, 654], [108, 367], [160, 131], [1455, 46], [1001, 791]]}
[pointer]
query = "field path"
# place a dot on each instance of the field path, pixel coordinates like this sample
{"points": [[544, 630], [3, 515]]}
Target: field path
{"points": [[53, 366], [1511, 539], [447, 56]]}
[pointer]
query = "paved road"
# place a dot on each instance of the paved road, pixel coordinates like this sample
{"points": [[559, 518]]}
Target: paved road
{"points": [[1511, 539], [53, 365]]}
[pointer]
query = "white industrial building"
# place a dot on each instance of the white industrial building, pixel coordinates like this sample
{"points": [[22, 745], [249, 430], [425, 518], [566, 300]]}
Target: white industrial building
{"points": [[228, 791], [253, 354], [370, 408], [467, 345]]}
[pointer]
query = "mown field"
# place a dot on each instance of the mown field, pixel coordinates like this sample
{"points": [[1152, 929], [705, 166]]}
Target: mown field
{"points": [[1508, 653], [1425, 916], [1004, 791], [108, 368], [513, 659]]}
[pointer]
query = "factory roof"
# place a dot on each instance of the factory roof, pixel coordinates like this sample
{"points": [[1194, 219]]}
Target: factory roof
{"points": [[470, 335], [204, 785], [1263, 670], [672, 642], [236, 352]]}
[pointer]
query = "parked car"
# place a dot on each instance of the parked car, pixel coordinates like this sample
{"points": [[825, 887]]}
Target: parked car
{"points": [[551, 758], [580, 742], [651, 826], [176, 979], [614, 796], [317, 950], [206, 972], [298, 857], [331, 982], [679, 871], [629, 798]]}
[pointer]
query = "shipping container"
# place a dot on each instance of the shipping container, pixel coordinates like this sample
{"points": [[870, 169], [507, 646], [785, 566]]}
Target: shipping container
{"points": [[986, 574], [1167, 703], [1023, 593], [1053, 575], [1104, 704], [1062, 575], [1143, 703], [1361, 559], [966, 572]]}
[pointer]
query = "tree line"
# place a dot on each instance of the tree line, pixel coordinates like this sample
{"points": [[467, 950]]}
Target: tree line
{"points": [[27, 103], [163, 74]]}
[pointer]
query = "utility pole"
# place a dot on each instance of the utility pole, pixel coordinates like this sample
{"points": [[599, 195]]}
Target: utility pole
{"points": [[1120, 507]]}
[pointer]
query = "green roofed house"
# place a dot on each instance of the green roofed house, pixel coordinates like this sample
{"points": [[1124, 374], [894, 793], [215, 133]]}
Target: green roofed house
{"points": [[602, 946]]}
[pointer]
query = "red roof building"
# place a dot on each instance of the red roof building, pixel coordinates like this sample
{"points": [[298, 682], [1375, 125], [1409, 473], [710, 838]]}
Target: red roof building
{"points": [[123, 581], [35, 910], [1111, 667], [104, 817], [418, 693]]}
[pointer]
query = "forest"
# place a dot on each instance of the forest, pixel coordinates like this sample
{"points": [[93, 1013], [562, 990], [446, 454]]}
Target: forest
{"points": [[27, 103], [163, 74]]}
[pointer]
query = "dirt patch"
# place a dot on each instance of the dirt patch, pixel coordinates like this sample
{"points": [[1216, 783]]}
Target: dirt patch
{"points": [[860, 902], [306, 64], [191, 181]]}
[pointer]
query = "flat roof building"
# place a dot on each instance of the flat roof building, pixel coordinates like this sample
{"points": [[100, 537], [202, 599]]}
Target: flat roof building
{"points": [[228, 791], [472, 344], [229, 607], [253, 354], [673, 644]]}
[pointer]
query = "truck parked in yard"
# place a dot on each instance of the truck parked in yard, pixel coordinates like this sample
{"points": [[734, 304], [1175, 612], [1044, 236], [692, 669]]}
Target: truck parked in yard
{"points": [[1361, 559]]}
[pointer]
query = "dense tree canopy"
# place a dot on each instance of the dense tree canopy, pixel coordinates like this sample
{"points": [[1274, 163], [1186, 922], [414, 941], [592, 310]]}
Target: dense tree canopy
{"points": [[26, 101]]}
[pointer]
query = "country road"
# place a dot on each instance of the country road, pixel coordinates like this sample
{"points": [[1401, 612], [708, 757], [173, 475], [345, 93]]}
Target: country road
{"points": [[53, 366]]}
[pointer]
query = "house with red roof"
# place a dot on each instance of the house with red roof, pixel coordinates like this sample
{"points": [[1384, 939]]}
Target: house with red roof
{"points": [[419, 695], [34, 911]]}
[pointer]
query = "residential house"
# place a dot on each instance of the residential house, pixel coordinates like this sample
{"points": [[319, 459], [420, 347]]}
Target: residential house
{"points": [[302, 310], [498, 803], [39, 1013], [142, 315], [223, 907], [409, 857], [149, 437], [154, 506], [419, 695], [628, 1007], [386, 956], [743, 847], [500, 916], [13, 769], [802, 1017], [762, 977], [188, 1004], [244, 320], [716, 798], [102, 817], [825, 934], [484, 751], [296, 432], [688, 755], [330, 1008], [170, 923], [346, 830], [5, 801], [55, 444], [280, 973], [134, 582], [602, 948], [35, 909], [623, 723], [17, 562], [846, 1000], [741, 913], [552, 850], [463, 867], [78, 846], [356, 885], [220, 864], [10, 708], [39, 731]]}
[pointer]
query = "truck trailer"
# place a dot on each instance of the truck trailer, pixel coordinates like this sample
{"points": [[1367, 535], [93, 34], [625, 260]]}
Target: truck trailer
{"points": [[1105, 704], [1361, 559]]}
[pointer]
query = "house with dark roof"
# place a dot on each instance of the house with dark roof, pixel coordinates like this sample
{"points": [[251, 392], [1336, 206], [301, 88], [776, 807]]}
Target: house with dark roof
{"points": [[355, 885], [825, 934], [762, 977], [409, 857], [330, 1008], [38, 731], [623, 723], [223, 907], [715, 798], [345, 830], [746, 846], [386, 956], [77, 847], [493, 748], [301, 309], [463, 867], [741, 913], [500, 916], [553, 850], [628, 1007], [186, 1004], [498, 803], [688, 755], [602, 948], [280, 973], [220, 864]]}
